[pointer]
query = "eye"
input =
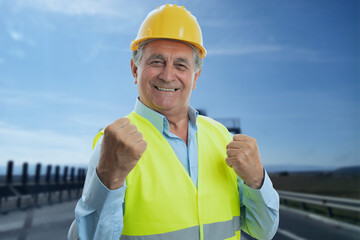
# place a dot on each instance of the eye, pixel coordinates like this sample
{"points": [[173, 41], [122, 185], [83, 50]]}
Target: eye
{"points": [[181, 66], [156, 63]]}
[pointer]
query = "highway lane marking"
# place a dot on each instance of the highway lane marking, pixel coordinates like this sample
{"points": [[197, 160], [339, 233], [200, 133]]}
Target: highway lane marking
{"points": [[289, 234]]}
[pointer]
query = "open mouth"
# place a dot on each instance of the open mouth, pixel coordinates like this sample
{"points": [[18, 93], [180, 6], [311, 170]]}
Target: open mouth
{"points": [[166, 89]]}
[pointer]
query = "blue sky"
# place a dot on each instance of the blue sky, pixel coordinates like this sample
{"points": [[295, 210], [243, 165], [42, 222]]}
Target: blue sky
{"points": [[288, 69]]}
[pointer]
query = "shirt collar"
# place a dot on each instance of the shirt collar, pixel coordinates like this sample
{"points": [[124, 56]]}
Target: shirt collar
{"points": [[159, 120]]}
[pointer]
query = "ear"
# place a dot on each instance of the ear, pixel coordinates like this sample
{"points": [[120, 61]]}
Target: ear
{"points": [[197, 75], [134, 69]]}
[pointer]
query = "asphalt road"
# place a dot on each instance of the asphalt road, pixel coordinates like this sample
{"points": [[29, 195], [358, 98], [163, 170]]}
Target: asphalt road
{"points": [[52, 222], [49, 222], [299, 227]]}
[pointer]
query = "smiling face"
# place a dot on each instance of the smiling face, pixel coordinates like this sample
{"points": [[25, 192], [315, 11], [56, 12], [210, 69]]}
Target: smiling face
{"points": [[166, 76]]}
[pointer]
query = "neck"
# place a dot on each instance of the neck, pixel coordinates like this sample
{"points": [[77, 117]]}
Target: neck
{"points": [[178, 123], [178, 120]]}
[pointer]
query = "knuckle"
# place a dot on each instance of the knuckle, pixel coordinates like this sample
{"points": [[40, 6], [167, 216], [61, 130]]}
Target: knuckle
{"points": [[140, 149], [129, 128], [254, 147], [237, 137], [228, 152], [252, 141], [248, 145], [144, 144], [109, 128], [132, 150], [121, 122], [110, 133], [119, 137], [247, 154], [139, 145], [133, 127], [138, 155], [139, 135], [124, 121]]}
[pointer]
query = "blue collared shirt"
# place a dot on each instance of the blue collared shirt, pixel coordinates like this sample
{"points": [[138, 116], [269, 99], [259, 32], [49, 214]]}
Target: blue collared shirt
{"points": [[99, 212]]}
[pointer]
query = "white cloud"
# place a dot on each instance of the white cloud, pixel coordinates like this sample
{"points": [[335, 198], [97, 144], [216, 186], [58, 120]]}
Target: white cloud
{"points": [[278, 52], [117, 8], [46, 146], [16, 136], [16, 36], [26, 98], [100, 47], [62, 137], [308, 55], [242, 50], [221, 23]]}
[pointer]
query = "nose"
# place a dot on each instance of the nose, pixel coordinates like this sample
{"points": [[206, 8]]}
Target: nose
{"points": [[168, 73]]}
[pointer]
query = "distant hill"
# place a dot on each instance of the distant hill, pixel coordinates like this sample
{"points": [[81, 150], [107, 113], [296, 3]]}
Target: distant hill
{"points": [[297, 168], [352, 170]]}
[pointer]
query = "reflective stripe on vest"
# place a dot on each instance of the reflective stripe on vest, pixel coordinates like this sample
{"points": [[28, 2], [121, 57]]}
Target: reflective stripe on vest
{"points": [[221, 230], [191, 233], [212, 231]]}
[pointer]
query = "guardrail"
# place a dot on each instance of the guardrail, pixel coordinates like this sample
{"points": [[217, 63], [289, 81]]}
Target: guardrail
{"points": [[324, 201], [31, 187]]}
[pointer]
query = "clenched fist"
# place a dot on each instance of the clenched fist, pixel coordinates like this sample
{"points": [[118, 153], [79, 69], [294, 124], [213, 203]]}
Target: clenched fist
{"points": [[122, 147], [244, 157]]}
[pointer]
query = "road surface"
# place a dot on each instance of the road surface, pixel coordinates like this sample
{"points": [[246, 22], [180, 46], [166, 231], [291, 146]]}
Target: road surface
{"points": [[53, 221]]}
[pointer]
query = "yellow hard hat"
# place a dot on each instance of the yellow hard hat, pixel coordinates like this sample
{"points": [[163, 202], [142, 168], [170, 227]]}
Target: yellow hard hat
{"points": [[171, 22]]}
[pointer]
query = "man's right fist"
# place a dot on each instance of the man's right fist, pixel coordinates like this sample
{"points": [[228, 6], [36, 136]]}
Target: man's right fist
{"points": [[121, 148]]}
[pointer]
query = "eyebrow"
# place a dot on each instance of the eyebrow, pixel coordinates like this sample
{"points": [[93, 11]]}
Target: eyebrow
{"points": [[182, 60], [155, 56], [161, 57]]}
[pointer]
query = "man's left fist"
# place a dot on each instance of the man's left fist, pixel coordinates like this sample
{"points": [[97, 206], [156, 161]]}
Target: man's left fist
{"points": [[244, 157]]}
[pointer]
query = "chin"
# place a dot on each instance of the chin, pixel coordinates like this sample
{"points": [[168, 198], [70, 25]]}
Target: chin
{"points": [[165, 106]]}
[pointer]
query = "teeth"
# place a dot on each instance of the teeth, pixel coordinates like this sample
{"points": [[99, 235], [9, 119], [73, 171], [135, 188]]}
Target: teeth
{"points": [[166, 89]]}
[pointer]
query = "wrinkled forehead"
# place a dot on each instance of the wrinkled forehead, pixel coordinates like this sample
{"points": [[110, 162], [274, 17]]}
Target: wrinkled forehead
{"points": [[169, 47]]}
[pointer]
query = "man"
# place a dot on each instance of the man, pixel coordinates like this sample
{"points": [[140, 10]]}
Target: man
{"points": [[163, 172]]}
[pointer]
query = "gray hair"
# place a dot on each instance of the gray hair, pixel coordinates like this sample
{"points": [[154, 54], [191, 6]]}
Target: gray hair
{"points": [[137, 54]]}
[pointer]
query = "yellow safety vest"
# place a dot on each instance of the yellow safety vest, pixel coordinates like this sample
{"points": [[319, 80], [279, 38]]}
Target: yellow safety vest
{"points": [[163, 203]]}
